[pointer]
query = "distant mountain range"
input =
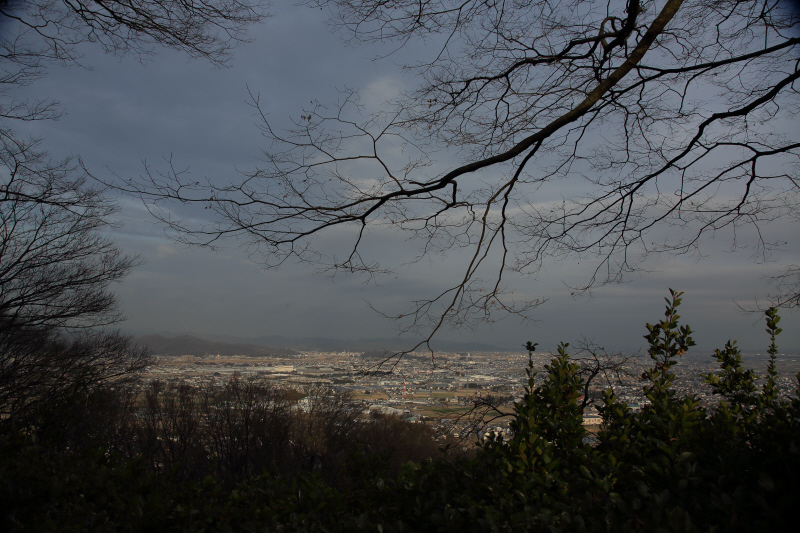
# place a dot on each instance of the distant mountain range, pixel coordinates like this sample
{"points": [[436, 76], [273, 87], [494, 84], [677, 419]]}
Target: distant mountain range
{"points": [[189, 345], [325, 344], [193, 344]]}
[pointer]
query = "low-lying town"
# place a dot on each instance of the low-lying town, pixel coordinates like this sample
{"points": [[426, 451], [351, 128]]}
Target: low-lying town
{"points": [[456, 394]]}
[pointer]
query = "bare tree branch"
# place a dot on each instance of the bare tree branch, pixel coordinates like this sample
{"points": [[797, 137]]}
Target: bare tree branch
{"points": [[669, 120], [57, 263]]}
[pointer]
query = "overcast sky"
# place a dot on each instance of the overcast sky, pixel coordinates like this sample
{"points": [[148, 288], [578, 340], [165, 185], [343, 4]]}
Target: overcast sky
{"points": [[122, 112]]}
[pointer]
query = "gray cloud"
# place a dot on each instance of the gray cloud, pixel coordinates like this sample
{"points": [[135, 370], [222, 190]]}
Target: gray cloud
{"points": [[122, 112]]}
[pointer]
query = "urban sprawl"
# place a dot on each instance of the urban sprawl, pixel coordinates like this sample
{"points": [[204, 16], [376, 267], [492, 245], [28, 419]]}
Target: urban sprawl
{"points": [[441, 391]]}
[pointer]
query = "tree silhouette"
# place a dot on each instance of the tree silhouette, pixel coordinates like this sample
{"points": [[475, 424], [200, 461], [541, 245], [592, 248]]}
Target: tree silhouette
{"points": [[607, 132], [56, 261]]}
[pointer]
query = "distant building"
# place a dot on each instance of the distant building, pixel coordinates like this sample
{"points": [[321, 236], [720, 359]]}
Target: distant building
{"points": [[592, 420]]}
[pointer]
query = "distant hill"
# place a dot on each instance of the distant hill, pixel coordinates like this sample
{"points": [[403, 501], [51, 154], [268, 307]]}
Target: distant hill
{"points": [[385, 354], [322, 344], [325, 344], [188, 345]]}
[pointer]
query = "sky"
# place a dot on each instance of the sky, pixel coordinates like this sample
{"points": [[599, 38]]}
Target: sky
{"points": [[121, 113]]}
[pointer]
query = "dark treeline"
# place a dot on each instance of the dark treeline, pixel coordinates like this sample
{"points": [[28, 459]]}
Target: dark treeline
{"points": [[231, 431]]}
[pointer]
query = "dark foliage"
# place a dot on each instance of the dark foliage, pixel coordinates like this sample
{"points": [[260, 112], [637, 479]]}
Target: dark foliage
{"points": [[675, 466]]}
